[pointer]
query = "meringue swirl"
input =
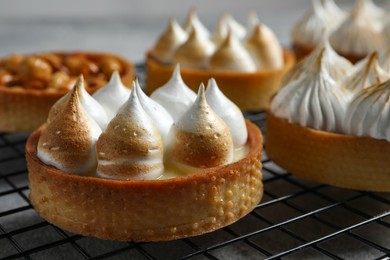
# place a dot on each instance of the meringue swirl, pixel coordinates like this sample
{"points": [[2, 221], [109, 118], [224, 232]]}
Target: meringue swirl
{"points": [[369, 113], [314, 100]]}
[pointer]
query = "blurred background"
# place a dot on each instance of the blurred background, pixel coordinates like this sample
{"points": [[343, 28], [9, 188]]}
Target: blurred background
{"points": [[127, 27]]}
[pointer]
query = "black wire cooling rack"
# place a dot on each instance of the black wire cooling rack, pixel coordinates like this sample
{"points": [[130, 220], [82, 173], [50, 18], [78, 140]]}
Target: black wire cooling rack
{"points": [[297, 219]]}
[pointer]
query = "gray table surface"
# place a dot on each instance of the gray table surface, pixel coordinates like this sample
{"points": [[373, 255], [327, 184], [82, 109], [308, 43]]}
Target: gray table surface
{"points": [[128, 28]]}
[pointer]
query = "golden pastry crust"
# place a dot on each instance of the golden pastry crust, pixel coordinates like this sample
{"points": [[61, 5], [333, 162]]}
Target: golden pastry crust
{"points": [[25, 108], [341, 160], [147, 210], [249, 91]]}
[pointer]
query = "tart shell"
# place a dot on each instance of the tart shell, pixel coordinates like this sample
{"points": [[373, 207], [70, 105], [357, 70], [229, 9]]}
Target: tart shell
{"points": [[249, 91], [345, 161], [149, 210], [24, 110]]}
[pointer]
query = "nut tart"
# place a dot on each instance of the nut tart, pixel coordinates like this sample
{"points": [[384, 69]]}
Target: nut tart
{"points": [[129, 182], [248, 64], [31, 84]]}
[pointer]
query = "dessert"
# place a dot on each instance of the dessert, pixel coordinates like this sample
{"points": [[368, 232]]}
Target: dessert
{"points": [[31, 84], [248, 64], [354, 36], [333, 131], [137, 187]]}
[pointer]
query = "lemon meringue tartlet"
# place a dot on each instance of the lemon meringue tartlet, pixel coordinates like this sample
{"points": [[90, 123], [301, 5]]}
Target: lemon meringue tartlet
{"points": [[331, 130], [248, 64], [31, 84], [353, 35], [129, 181]]}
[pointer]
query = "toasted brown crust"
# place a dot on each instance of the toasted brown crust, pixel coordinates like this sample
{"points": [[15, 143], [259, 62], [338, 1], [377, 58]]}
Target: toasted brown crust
{"points": [[147, 210], [249, 91], [24, 109], [341, 160]]}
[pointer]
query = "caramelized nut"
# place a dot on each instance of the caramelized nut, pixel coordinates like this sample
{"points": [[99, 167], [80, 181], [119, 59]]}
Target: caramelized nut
{"points": [[80, 65], [35, 68], [109, 65], [5, 77], [59, 80], [12, 62]]}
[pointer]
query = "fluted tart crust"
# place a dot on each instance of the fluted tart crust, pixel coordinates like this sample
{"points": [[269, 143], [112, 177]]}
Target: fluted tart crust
{"points": [[345, 161], [249, 91], [147, 210], [24, 104]]}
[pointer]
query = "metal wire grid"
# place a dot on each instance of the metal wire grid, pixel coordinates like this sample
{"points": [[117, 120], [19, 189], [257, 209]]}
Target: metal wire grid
{"points": [[296, 219]]}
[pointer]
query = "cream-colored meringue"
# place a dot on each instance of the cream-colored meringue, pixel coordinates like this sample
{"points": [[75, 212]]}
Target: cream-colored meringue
{"points": [[91, 106], [253, 20], [366, 73], [131, 147], [68, 141], [112, 96], [168, 42], [192, 21], [228, 112], [231, 55], [200, 138], [335, 15], [337, 66], [384, 58], [225, 24], [309, 29], [265, 48], [195, 52], [359, 34], [313, 100], [157, 112], [369, 113], [175, 96]]}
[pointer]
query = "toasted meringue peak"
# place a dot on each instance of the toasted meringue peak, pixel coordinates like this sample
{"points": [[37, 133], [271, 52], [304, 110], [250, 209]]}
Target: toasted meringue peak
{"points": [[337, 66], [265, 48], [308, 30], [335, 14], [192, 21], [367, 73], [158, 113], [91, 106], [384, 58], [359, 34], [200, 138], [313, 100], [253, 20], [228, 112], [232, 56], [175, 96], [225, 24], [112, 96], [168, 42], [131, 147], [195, 51], [68, 141], [369, 112]]}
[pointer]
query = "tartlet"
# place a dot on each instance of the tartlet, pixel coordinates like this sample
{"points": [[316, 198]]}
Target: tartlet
{"points": [[247, 64], [130, 180], [333, 130], [353, 35], [31, 84]]}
